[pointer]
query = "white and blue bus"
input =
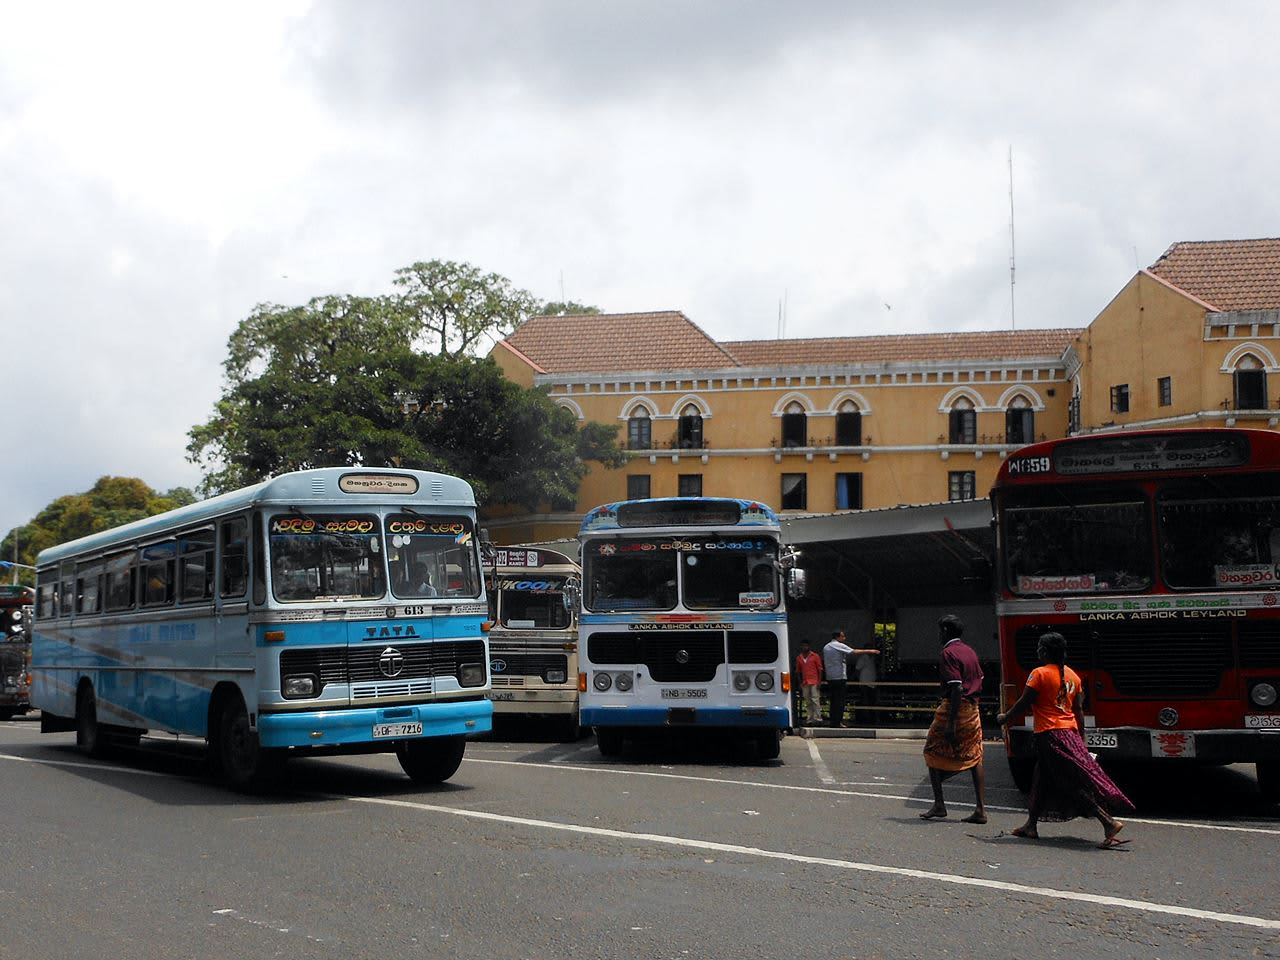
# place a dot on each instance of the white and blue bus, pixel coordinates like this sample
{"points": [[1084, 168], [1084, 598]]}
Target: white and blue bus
{"points": [[337, 610], [683, 620]]}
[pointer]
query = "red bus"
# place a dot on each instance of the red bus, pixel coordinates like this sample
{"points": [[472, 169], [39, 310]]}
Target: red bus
{"points": [[1157, 555], [15, 649]]}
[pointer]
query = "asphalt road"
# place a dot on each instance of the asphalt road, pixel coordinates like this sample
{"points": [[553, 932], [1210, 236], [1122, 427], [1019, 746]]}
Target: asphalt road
{"points": [[547, 850]]}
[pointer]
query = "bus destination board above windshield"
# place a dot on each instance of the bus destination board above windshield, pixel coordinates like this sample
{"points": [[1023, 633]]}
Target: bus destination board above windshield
{"points": [[673, 513], [377, 483], [1189, 451]]}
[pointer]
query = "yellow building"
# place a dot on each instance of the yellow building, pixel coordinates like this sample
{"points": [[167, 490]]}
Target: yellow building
{"points": [[804, 425], [843, 423], [1189, 341]]}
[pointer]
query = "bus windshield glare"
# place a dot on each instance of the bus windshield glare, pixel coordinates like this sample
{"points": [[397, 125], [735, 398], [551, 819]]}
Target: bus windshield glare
{"points": [[432, 556], [1220, 533], [719, 573], [1077, 540], [533, 603], [326, 555]]}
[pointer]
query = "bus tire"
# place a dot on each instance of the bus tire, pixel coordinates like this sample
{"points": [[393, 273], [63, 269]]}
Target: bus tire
{"points": [[570, 731], [609, 741], [769, 744], [7, 713], [89, 738], [1269, 780], [243, 762], [431, 759], [1023, 770]]}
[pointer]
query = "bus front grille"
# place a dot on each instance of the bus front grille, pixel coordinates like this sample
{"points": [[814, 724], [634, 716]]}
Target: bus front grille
{"points": [[361, 665], [1143, 658], [672, 656], [1260, 644], [531, 664], [753, 646]]}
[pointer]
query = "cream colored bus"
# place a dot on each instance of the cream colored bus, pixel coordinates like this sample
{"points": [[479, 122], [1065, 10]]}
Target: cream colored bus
{"points": [[533, 645]]}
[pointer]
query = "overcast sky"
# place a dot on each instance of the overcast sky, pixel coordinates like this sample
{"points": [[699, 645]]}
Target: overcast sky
{"points": [[165, 167]]}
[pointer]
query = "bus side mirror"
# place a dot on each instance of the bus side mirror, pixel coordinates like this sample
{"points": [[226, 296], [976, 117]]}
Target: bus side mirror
{"points": [[571, 593], [796, 582], [487, 550]]}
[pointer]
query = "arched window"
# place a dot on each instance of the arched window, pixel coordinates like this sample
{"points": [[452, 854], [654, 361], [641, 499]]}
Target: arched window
{"points": [[690, 436], [795, 425], [639, 430], [964, 421], [1250, 379], [848, 425], [1019, 421]]}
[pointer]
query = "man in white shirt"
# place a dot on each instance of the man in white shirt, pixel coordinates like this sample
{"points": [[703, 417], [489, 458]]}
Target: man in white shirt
{"points": [[835, 658]]}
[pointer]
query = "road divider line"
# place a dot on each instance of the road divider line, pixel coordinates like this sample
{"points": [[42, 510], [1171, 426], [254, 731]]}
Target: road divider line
{"points": [[1141, 906], [88, 766], [1227, 828]]}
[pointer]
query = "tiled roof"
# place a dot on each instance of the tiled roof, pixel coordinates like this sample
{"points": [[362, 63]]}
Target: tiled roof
{"points": [[1228, 274], [988, 345], [614, 342], [668, 340]]}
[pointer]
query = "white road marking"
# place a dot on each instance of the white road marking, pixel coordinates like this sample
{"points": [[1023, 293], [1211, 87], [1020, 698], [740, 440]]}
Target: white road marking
{"points": [[237, 915], [848, 793], [572, 753], [819, 764], [87, 766], [1141, 906]]}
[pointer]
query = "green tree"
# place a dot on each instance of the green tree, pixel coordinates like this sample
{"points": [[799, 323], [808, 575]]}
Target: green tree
{"points": [[566, 308], [340, 382], [111, 501], [455, 306]]}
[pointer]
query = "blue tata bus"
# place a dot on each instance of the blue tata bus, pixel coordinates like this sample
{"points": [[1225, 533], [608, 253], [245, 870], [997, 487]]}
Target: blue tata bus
{"points": [[683, 620], [337, 610]]}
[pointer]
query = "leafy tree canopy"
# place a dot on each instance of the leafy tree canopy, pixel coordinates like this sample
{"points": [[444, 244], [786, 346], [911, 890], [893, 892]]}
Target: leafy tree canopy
{"points": [[566, 308], [343, 381], [112, 501]]}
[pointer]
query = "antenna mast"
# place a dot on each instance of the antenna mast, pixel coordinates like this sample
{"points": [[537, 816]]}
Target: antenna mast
{"points": [[1013, 307]]}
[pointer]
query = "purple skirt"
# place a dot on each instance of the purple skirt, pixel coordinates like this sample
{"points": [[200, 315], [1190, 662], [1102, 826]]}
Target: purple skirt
{"points": [[1069, 783]]}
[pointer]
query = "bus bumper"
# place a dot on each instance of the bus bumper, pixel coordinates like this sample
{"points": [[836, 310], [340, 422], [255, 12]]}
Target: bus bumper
{"points": [[338, 727], [1129, 744], [776, 718]]}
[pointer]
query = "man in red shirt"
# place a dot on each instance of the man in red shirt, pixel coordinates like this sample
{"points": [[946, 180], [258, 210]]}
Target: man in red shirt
{"points": [[809, 675]]}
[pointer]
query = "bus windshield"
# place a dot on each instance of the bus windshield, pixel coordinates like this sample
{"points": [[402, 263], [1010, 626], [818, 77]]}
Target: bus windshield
{"points": [[730, 573], [1220, 533], [326, 555], [535, 603], [432, 556], [630, 575], [1076, 540]]}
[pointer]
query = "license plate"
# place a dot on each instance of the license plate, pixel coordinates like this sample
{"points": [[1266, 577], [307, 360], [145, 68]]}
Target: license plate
{"points": [[679, 693], [1173, 743], [1266, 721], [504, 697], [382, 731], [1101, 740]]}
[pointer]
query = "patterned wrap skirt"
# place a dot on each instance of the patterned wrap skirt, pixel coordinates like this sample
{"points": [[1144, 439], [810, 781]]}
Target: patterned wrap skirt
{"points": [[1068, 783], [966, 752]]}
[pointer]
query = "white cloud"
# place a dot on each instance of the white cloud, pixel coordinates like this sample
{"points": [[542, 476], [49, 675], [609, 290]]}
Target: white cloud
{"points": [[164, 168]]}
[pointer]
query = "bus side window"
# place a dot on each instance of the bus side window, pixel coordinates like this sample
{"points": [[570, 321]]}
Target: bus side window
{"points": [[120, 578], [158, 573], [195, 574], [46, 594], [89, 587], [67, 592], [235, 557]]}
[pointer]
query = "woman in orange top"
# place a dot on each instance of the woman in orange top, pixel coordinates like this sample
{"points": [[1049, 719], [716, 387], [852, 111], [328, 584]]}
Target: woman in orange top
{"points": [[1068, 781]]}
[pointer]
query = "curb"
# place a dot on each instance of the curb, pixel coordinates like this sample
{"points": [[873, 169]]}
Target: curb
{"points": [[860, 733]]}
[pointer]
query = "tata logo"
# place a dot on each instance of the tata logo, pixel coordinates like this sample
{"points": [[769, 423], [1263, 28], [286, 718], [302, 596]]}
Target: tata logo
{"points": [[391, 662], [384, 633], [497, 666]]}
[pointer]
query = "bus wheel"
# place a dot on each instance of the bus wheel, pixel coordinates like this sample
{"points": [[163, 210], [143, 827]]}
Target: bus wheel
{"points": [[6, 713], [570, 731], [609, 741], [1269, 780], [1023, 771], [245, 765], [431, 759], [89, 738], [768, 745]]}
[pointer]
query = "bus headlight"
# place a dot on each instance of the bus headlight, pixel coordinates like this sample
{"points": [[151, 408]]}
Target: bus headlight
{"points": [[471, 675], [1263, 694], [554, 676], [602, 682], [624, 682], [764, 680], [298, 687], [742, 682]]}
